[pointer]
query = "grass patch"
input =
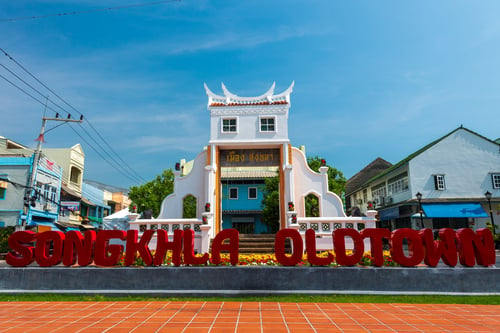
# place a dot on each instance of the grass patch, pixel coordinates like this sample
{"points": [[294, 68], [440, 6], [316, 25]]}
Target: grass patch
{"points": [[412, 299]]}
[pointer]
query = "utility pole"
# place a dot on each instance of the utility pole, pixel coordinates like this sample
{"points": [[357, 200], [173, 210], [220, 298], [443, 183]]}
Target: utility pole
{"points": [[36, 158]]}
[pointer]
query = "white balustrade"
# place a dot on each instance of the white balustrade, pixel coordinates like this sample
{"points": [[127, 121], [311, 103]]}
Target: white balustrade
{"points": [[170, 225]]}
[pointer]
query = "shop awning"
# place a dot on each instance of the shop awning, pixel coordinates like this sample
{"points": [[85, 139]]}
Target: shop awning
{"points": [[388, 214], [467, 209]]}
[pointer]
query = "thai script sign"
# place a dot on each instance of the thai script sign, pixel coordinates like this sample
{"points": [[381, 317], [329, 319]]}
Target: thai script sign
{"points": [[53, 247], [249, 157]]}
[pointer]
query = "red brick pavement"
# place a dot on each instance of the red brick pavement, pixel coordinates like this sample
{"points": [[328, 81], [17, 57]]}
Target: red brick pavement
{"points": [[252, 317]]}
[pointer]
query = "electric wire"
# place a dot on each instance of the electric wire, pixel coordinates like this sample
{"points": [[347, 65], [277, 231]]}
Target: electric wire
{"points": [[87, 11], [130, 174], [136, 175], [29, 85]]}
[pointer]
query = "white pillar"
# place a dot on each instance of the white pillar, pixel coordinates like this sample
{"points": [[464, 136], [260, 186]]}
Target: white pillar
{"points": [[205, 238]]}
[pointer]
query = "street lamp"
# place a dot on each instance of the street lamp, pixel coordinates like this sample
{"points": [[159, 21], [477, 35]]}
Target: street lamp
{"points": [[419, 198], [488, 197]]}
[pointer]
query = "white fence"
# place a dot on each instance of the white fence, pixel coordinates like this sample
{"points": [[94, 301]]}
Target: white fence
{"points": [[201, 238], [323, 226]]}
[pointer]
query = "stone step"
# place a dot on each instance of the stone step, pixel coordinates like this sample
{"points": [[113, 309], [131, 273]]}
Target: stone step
{"points": [[258, 243]]}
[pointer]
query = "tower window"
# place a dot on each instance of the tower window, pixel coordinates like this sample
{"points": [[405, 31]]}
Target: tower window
{"points": [[229, 125], [267, 124]]}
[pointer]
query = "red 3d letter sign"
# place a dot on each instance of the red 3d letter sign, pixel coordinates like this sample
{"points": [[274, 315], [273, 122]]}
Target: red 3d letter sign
{"points": [[472, 247], [105, 247]]}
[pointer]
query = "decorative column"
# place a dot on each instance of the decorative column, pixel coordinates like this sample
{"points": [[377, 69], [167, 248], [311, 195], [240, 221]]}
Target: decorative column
{"points": [[205, 238]]}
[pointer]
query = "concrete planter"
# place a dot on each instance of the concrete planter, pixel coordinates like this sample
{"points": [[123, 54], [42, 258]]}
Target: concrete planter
{"points": [[249, 280]]}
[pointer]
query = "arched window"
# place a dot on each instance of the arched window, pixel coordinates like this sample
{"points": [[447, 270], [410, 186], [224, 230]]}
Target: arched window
{"points": [[311, 202], [189, 207]]}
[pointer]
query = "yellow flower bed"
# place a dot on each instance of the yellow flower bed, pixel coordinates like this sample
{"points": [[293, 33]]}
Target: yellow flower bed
{"points": [[270, 259]]}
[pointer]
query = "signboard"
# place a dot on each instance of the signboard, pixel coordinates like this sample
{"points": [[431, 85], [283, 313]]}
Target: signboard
{"points": [[70, 205], [463, 245], [249, 157]]}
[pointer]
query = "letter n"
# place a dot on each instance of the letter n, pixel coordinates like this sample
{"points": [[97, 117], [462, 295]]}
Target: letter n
{"points": [[479, 245], [78, 246]]}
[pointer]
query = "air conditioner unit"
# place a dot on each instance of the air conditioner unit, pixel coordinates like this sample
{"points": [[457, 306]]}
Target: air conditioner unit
{"points": [[360, 201], [389, 200], [381, 201]]}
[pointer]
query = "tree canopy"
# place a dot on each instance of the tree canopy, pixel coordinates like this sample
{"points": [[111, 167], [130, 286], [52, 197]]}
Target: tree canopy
{"points": [[271, 203], [151, 194]]}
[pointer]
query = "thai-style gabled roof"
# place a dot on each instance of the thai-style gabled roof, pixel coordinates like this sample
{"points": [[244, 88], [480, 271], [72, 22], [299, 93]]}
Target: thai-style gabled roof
{"points": [[374, 168], [230, 99], [423, 149]]}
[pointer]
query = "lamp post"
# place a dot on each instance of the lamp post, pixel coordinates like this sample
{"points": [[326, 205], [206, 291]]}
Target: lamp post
{"points": [[488, 197], [419, 198]]}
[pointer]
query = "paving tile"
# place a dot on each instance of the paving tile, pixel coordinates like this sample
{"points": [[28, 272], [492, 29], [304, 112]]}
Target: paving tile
{"points": [[270, 317]]}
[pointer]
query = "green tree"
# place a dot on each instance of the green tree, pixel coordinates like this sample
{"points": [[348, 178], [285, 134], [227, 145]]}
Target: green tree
{"points": [[271, 204], [336, 180], [312, 205], [271, 209], [189, 207], [151, 194]]}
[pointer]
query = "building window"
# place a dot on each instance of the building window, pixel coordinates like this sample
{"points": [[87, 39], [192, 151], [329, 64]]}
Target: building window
{"points": [[75, 175], [439, 182], [495, 180], [3, 191], [229, 125], [398, 184], [233, 193], [267, 124], [252, 193], [379, 193]]}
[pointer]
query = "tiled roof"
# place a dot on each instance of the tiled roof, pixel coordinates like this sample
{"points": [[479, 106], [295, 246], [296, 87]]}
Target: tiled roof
{"points": [[409, 158], [252, 174], [247, 103], [368, 172]]}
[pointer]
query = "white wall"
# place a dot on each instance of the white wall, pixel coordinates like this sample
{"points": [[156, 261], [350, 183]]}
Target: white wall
{"points": [[193, 183], [307, 181], [465, 159], [249, 124]]}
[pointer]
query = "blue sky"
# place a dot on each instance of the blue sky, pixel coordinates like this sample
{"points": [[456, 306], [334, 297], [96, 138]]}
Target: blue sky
{"points": [[372, 78]]}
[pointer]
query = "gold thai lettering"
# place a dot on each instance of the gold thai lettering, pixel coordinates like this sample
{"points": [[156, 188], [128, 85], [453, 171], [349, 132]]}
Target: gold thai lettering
{"points": [[233, 157]]}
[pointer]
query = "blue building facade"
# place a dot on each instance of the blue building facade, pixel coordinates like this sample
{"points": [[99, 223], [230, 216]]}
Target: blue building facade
{"points": [[95, 210], [22, 206], [242, 205]]}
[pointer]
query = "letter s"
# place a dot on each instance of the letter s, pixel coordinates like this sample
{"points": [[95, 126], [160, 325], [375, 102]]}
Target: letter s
{"points": [[21, 243]]}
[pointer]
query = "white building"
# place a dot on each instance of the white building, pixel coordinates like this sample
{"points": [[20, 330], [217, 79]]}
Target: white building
{"points": [[452, 174], [249, 142]]}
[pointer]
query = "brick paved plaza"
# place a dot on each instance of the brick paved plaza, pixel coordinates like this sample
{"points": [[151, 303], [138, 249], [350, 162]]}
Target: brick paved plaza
{"points": [[199, 316]]}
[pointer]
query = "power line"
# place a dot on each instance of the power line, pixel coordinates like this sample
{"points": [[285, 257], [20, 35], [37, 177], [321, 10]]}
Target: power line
{"points": [[29, 85], [135, 174], [131, 174], [87, 11]]}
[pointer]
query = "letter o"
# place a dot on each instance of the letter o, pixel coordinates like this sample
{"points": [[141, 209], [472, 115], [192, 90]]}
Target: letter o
{"points": [[297, 248]]}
